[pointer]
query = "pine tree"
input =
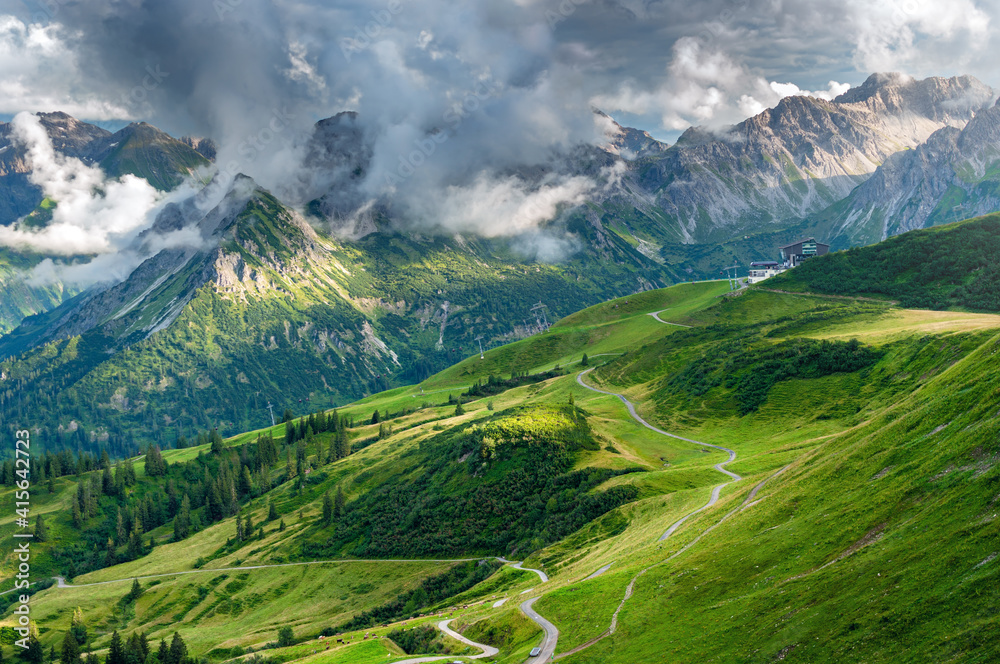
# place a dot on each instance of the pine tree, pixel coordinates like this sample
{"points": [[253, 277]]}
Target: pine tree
{"points": [[116, 650], [239, 527], [338, 503], [178, 651], [133, 650], [375, 417], [585, 362], [163, 652], [107, 481], [35, 652], [272, 511], [78, 627], [120, 533], [458, 409], [70, 649], [246, 484], [41, 531], [343, 443], [216, 442], [182, 522], [281, 526], [135, 592], [327, 508], [77, 515]]}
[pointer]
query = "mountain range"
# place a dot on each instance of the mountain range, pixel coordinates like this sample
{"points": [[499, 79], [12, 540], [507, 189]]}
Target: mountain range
{"points": [[269, 307]]}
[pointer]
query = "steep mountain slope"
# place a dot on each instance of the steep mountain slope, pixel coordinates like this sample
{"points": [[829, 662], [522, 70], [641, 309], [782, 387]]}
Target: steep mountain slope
{"points": [[138, 149], [799, 157], [264, 308], [147, 152], [953, 176]]}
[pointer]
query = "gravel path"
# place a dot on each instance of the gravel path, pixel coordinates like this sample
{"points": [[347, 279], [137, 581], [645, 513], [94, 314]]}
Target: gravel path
{"points": [[712, 500], [656, 315], [488, 651], [599, 572], [719, 466]]}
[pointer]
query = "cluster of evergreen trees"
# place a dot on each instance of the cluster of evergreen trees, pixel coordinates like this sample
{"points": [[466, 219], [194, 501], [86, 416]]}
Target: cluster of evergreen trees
{"points": [[307, 428], [114, 510], [495, 384], [136, 649]]}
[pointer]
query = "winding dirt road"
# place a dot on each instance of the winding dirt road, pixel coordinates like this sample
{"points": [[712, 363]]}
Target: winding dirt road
{"points": [[716, 491], [551, 633], [656, 315], [488, 651]]}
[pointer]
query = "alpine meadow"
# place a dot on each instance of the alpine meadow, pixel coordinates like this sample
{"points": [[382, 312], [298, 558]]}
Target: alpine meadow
{"points": [[515, 332]]}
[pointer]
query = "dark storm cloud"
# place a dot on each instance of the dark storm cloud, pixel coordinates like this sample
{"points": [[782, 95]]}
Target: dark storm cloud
{"points": [[476, 92]]}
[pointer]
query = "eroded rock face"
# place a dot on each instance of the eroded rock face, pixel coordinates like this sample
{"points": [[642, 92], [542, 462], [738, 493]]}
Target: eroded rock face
{"points": [[953, 175], [803, 155]]}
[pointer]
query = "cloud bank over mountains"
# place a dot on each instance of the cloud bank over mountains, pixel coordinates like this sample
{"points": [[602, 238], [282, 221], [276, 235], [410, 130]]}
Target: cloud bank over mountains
{"points": [[491, 86]]}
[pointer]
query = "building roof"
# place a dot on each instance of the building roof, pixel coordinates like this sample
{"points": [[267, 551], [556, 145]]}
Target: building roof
{"points": [[808, 239]]}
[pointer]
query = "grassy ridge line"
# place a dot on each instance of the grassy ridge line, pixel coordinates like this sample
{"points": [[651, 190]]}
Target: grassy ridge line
{"points": [[948, 266], [62, 582], [171, 555], [613, 627], [819, 518]]}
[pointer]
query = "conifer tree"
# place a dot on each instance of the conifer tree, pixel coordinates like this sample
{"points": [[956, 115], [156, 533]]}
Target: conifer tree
{"points": [[70, 649], [338, 503], [182, 522], [78, 627], [41, 531], [327, 508], [116, 650], [178, 651]]}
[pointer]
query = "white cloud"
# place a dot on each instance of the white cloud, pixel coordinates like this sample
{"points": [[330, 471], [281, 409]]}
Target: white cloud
{"points": [[39, 72], [834, 90], [500, 206], [93, 213], [902, 35]]}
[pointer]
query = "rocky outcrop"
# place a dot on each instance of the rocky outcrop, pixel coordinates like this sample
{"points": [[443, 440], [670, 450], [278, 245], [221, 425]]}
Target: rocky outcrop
{"points": [[801, 156], [954, 175]]}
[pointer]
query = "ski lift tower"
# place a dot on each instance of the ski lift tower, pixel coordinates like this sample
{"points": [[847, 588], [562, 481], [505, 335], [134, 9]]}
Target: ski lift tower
{"points": [[271, 409], [734, 283], [540, 317], [482, 355]]}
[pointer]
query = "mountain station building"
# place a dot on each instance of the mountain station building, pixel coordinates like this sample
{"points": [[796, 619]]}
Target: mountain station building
{"points": [[793, 254], [761, 270]]}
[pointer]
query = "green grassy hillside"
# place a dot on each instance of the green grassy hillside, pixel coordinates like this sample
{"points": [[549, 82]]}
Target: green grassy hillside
{"points": [[951, 266], [862, 530]]}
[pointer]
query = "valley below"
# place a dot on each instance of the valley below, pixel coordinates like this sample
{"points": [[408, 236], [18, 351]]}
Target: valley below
{"points": [[687, 474]]}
